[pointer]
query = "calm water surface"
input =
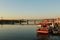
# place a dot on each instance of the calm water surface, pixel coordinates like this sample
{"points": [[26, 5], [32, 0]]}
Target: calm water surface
{"points": [[23, 32]]}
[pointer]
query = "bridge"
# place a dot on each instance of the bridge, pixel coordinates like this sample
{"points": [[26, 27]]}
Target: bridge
{"points": [[23, 21]]}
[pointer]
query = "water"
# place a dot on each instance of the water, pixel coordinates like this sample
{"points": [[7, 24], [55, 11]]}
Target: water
{"points": [[23, 32]]}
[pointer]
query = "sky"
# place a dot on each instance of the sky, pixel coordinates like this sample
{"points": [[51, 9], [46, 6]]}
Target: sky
{"points": [[29, 9]]}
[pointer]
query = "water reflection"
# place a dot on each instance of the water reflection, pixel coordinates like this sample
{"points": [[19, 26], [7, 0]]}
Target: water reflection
{"points": [[47, 37], [23, 32], [17, 32], [42, 37], [1, 26]]}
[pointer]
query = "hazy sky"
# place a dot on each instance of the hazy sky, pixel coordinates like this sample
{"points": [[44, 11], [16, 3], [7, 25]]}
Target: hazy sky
{"points": [[29, 8]]}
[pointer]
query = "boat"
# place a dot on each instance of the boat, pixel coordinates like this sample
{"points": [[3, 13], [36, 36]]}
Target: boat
{"points": [[42, 30]]}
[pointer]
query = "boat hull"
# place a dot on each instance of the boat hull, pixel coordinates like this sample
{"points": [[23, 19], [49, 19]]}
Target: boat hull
{"points": [[42, 31]]}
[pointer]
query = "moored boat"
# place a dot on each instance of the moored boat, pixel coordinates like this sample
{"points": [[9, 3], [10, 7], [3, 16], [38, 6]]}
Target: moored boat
{"points": [[42, 30]]}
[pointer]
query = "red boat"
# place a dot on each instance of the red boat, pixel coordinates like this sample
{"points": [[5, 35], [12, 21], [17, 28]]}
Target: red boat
{"points": [[42, 30]]}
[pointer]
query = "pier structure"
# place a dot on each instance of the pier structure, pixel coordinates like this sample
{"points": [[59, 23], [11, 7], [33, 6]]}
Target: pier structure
{"points": [[24, 21]]}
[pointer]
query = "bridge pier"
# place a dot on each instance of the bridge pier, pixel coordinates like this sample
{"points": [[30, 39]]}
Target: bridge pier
{"points": [[34, 21], [20, 21], [27, 22]]}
